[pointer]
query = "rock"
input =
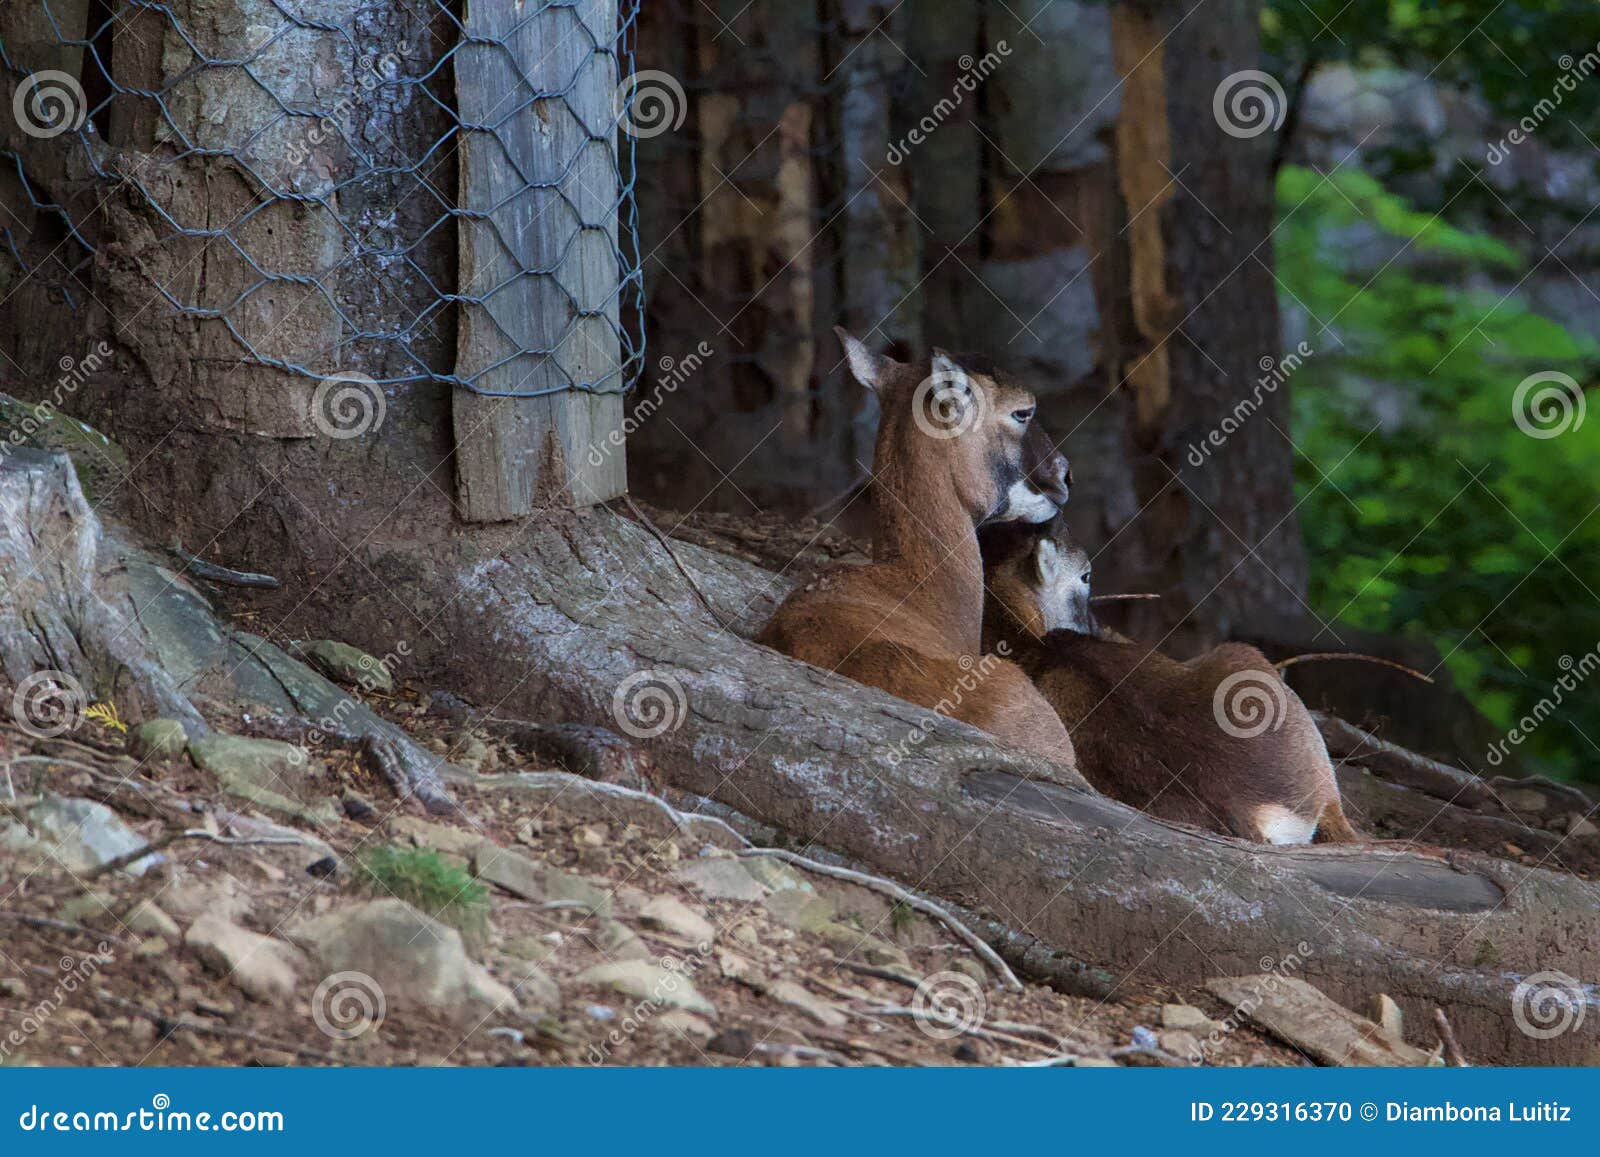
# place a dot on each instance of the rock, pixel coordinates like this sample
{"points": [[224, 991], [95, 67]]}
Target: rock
{"points": [[1182, 1044], [1523, 799], [346, 664], [414, 960], [796, 996], [92, 907], [800, 910], [646, 981], [533, 987], [733, 1042], [775, 874], [534, 881], [687, 1024], [722, 879], [277, 777], [259, 966], [323, 869], [847, 942], [440, 837], [146, 919], [1186, 1017], [619, 942], [1582, 826], [150, 946], [84, 834], [101, 464], [158, 739], [14, 987], [672, 916]]}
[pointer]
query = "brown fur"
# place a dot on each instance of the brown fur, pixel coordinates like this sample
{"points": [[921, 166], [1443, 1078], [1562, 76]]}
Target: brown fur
{"points": [[910, 622], [1145, 725]]}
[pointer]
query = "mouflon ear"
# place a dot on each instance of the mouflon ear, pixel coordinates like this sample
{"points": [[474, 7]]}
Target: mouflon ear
{"points": [[866, 367], [948, 373], [1047, 561]]}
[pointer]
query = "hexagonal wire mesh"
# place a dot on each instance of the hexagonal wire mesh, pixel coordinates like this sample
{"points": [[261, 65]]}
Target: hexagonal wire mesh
{"points": [[335, 251]]}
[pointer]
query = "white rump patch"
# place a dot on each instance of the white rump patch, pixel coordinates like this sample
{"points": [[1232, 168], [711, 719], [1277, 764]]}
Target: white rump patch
{"points": [[1279, 825]]}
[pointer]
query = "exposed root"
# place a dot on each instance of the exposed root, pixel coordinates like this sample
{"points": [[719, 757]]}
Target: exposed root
{"points": [[1328, 656]]}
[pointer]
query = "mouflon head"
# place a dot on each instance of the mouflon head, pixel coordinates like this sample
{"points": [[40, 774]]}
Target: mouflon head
{"points": [[1040, 576], [959, 419]]}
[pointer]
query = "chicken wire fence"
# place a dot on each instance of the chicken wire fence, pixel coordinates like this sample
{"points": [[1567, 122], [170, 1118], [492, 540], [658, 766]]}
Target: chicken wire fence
{"points": [[342, 187]]}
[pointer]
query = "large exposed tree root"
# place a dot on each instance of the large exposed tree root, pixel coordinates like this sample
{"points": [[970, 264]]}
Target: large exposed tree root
{"points": [[587, 621]]}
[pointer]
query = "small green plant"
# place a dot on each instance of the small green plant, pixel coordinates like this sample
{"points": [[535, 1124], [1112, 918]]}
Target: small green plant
{"points": [[429, 883], [901, 917]]}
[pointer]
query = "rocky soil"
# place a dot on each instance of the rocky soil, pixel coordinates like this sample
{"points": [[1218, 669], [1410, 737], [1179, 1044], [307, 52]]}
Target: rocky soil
{"points": [[613, 930]]}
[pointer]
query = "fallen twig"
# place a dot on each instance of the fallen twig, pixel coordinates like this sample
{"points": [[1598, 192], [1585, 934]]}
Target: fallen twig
{"points": [[211, 572], [1325, 656], [1120, 598], [1447, 1037], [988, 955], [59, 926], [666, 545], [170, 838]]}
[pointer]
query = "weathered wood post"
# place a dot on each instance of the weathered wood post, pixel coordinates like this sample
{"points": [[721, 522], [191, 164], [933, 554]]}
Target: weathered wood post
{"points": [[539, 419]]}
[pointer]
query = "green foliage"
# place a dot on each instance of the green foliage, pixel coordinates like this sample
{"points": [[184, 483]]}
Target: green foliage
{"points": [[1439, 514], [427, 882]]}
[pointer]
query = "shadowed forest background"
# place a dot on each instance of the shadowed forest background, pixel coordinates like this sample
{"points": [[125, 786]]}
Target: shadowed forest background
{"points": [[1144, 272]]}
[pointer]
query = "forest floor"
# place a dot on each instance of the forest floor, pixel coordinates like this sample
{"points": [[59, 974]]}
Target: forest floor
{"points": [[714, 960]]}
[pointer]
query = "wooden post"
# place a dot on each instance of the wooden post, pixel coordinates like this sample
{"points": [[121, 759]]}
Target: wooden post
{"points": [[540, 261]]}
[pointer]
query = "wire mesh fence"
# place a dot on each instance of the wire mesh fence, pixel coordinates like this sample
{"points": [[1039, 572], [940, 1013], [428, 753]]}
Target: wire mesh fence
{"points": [[335, 189]]}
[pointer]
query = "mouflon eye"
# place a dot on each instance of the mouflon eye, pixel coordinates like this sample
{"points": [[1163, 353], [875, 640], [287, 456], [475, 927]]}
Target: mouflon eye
{"points": [[1086, 575], [1022, 417]]}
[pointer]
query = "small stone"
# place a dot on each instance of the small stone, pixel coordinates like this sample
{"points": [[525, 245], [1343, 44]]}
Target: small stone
{"points": [[967, 966], [146, 919], [13, 986], [91, 907], [277, 777], [357, 808], [590, 836], [1181, 1044], [346, 664], [733, 1042], [687, 1024], [722, 879], [1524, 799], [533, 881], [534, 988], [150, 946], [414, 960], [679, 919], [158, 739], [797, 997], [322, 869], [439, 837], [967, 1052], [259, 966], [619, 942], [1095, 1063], [1582, 826], [1186, 1017], [84, 834], [645, 981]]}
